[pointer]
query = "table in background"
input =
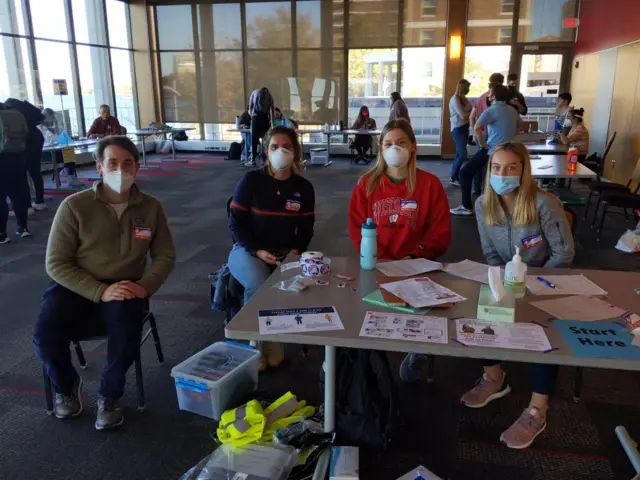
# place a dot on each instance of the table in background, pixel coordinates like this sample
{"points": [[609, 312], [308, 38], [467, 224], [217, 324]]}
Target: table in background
{"points": [[352, 310], [53, 148], [559, 168], [143, 133], [546, 149], [348, 131], [301, 134]]}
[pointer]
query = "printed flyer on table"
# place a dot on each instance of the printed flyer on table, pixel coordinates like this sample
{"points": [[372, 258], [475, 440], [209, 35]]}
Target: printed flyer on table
{"points": [[521, 336], [417, 328], [295, 320]]}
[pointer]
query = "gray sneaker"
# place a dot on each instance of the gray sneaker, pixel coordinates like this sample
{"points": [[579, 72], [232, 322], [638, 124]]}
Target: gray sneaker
{"points": [[485, 391], [411, 366], [68, 406], [109, 414]]}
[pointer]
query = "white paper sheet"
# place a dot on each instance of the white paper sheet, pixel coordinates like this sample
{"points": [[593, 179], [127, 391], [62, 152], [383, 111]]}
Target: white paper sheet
{"points": [[587, 309], [422, 292], [470, 270], [408, 268], [400, 326], [519, 336], [565, 285], [295, 320]]}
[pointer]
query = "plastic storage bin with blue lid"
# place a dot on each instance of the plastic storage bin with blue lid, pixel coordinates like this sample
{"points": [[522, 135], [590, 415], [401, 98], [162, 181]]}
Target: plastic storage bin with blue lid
{"points": [[216, 379]]}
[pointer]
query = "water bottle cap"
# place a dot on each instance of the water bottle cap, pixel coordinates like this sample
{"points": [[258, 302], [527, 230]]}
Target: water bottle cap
{"points": [[369, 225]]}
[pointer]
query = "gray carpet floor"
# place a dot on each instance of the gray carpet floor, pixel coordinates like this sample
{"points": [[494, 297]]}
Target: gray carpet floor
{"points": [[163, 442]]}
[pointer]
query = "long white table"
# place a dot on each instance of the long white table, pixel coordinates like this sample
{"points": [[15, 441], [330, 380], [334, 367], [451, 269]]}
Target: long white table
{"points": [[144, 133], [54, 147], [555, 166], [545, 148], [352, 310]]}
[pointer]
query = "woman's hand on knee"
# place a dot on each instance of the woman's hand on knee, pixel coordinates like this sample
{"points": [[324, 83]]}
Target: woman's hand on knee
{"points": [[267, 257]]}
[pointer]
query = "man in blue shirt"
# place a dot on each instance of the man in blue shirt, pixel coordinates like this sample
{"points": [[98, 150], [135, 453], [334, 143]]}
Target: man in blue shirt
{"points": [[502, 122]]}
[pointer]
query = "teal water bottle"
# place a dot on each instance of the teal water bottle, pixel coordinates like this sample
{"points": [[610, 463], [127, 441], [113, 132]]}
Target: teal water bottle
{"points": [[369, 245]]}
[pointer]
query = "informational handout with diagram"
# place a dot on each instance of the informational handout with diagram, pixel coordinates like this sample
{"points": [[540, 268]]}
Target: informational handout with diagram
{"points": [[422, 292], [296, 320], [395, 326], [520, 336]]}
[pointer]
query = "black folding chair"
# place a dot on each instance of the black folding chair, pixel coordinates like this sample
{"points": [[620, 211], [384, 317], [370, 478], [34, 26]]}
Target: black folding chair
{"points": [[152, 331]]}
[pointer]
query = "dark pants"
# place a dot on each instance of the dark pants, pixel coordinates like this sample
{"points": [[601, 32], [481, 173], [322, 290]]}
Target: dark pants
{"points": [[460, 136], [13, 182], [33, 156], [362, 143], [66, 316], [259, 127], [543, 376], [471, 169]]}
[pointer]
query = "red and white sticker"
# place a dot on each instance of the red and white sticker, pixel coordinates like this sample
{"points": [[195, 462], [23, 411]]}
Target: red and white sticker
{"points": [[142, 233], [292, 206], [532, 241]]}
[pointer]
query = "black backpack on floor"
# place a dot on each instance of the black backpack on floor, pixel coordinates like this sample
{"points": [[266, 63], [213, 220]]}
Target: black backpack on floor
{"points": [[366, 399], [235, 151]]}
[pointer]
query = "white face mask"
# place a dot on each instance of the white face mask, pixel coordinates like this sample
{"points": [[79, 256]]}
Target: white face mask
{"points": [[118, 181], [396, 156], [281, 159]]}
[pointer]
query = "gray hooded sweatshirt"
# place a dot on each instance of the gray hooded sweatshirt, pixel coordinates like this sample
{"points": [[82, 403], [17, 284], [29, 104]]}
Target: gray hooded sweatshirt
{"points": [[547, 243]]}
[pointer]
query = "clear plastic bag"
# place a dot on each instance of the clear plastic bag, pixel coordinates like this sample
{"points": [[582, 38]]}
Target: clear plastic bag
{"points": [[629, 241], [269, 462], [294, 284]]}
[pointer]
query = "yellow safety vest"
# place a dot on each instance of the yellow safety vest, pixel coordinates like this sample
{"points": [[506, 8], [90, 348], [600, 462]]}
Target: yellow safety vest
{"points": [[242, 425], [284, 411]]}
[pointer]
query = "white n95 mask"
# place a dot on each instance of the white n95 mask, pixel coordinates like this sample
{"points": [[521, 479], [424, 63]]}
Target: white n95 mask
{"points": [[118, 181], [281, 159], [396, 156]]}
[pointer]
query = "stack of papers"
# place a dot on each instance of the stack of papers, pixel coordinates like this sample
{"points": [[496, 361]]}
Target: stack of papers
{"points": [[564, 285], [470, 270], [588, 309], [422, 292], [408, 268], [417, 328]]}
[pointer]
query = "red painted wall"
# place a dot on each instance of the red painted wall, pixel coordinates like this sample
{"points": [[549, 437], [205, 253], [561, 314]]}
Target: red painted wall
{"points": [[606, 24]]}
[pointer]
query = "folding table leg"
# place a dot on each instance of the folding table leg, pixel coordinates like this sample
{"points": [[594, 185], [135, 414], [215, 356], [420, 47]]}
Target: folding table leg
{"points": [[329, 388]]}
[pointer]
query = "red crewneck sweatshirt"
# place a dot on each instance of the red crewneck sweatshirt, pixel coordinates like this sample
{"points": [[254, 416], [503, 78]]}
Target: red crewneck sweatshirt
{"points": [[417, 224]]}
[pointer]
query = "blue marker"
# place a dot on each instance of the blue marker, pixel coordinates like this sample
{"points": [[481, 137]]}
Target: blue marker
{"points": [[546, 282]]}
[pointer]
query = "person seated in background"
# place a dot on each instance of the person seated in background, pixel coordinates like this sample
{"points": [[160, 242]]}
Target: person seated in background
{"points": [[245, 123], [362, 143], [97, 257], [398, 108], [408, 205], [49, 126], [502, 122], [514, 212], [279, 120], [517, 100], [272, 215], [578, 135], [50, 130], [104, 125], [561, 121]]}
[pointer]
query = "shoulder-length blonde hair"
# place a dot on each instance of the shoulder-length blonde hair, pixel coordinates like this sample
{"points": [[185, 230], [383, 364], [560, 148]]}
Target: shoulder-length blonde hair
{"points": [[374, 176], [525, 212], [297, 149]]}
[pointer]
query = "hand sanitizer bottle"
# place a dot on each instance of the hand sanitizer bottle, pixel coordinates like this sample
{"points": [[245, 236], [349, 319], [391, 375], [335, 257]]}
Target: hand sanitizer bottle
{"points": [[369, 245], [514, 275]]}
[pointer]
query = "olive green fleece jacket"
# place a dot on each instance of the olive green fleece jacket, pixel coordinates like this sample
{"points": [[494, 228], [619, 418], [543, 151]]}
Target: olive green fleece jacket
{"points": [[88, 243]]}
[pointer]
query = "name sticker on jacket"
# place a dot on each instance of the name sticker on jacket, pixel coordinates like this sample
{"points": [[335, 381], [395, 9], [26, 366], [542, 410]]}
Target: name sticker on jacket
{"points": [[142, 233], [292, 206], [532, 241], [408, 205]]}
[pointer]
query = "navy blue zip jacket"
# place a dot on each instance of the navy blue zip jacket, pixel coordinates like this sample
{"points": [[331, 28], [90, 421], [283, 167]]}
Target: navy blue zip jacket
{"points": [[273, 215]]}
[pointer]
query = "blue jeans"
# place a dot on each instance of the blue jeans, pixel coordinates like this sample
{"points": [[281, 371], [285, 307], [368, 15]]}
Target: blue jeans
{"points": [[543, 376], [460, 136], [246, 149], [249, 270], [471, 172]]}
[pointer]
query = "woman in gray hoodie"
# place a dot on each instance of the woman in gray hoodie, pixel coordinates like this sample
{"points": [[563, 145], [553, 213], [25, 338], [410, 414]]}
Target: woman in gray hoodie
{"points": [[514, 212]]}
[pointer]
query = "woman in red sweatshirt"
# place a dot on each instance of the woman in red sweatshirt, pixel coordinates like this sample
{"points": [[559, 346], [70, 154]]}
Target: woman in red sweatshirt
{"points": [[408, 205]]}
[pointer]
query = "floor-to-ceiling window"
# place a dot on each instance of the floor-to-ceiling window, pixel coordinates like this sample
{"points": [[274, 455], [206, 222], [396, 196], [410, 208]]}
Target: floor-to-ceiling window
{"points": [[86, 43]]}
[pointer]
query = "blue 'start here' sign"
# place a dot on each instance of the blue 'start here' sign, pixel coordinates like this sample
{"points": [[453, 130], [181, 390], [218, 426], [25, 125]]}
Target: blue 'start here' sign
{"points": [[598, 339]]}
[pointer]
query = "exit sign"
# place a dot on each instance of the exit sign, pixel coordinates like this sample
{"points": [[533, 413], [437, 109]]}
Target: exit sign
{"points": [[570, 23]]}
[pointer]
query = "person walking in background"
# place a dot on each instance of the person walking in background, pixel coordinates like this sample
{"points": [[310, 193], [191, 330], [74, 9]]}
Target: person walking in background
{"points": [[501, 122], [484, 100], [459, 111], [105, 125], [517, 100], [398, 108], [578, 135], [362, 143], [244, 122], [262, 111], [33, 152]]}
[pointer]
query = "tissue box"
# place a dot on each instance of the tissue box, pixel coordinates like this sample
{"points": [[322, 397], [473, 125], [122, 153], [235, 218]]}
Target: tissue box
{"points": [[489, 310], [420, 473], [344, 463]]}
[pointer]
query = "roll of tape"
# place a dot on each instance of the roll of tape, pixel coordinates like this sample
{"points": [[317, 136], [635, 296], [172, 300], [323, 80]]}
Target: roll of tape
{"points": [[315, 265]]}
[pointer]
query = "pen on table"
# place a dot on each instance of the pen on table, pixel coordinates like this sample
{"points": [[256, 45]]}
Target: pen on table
{"points": [[546, 282]]}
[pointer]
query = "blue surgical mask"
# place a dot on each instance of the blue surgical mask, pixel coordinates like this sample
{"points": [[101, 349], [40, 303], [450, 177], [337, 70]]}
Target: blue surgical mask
{"points": [[503, 185]]}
